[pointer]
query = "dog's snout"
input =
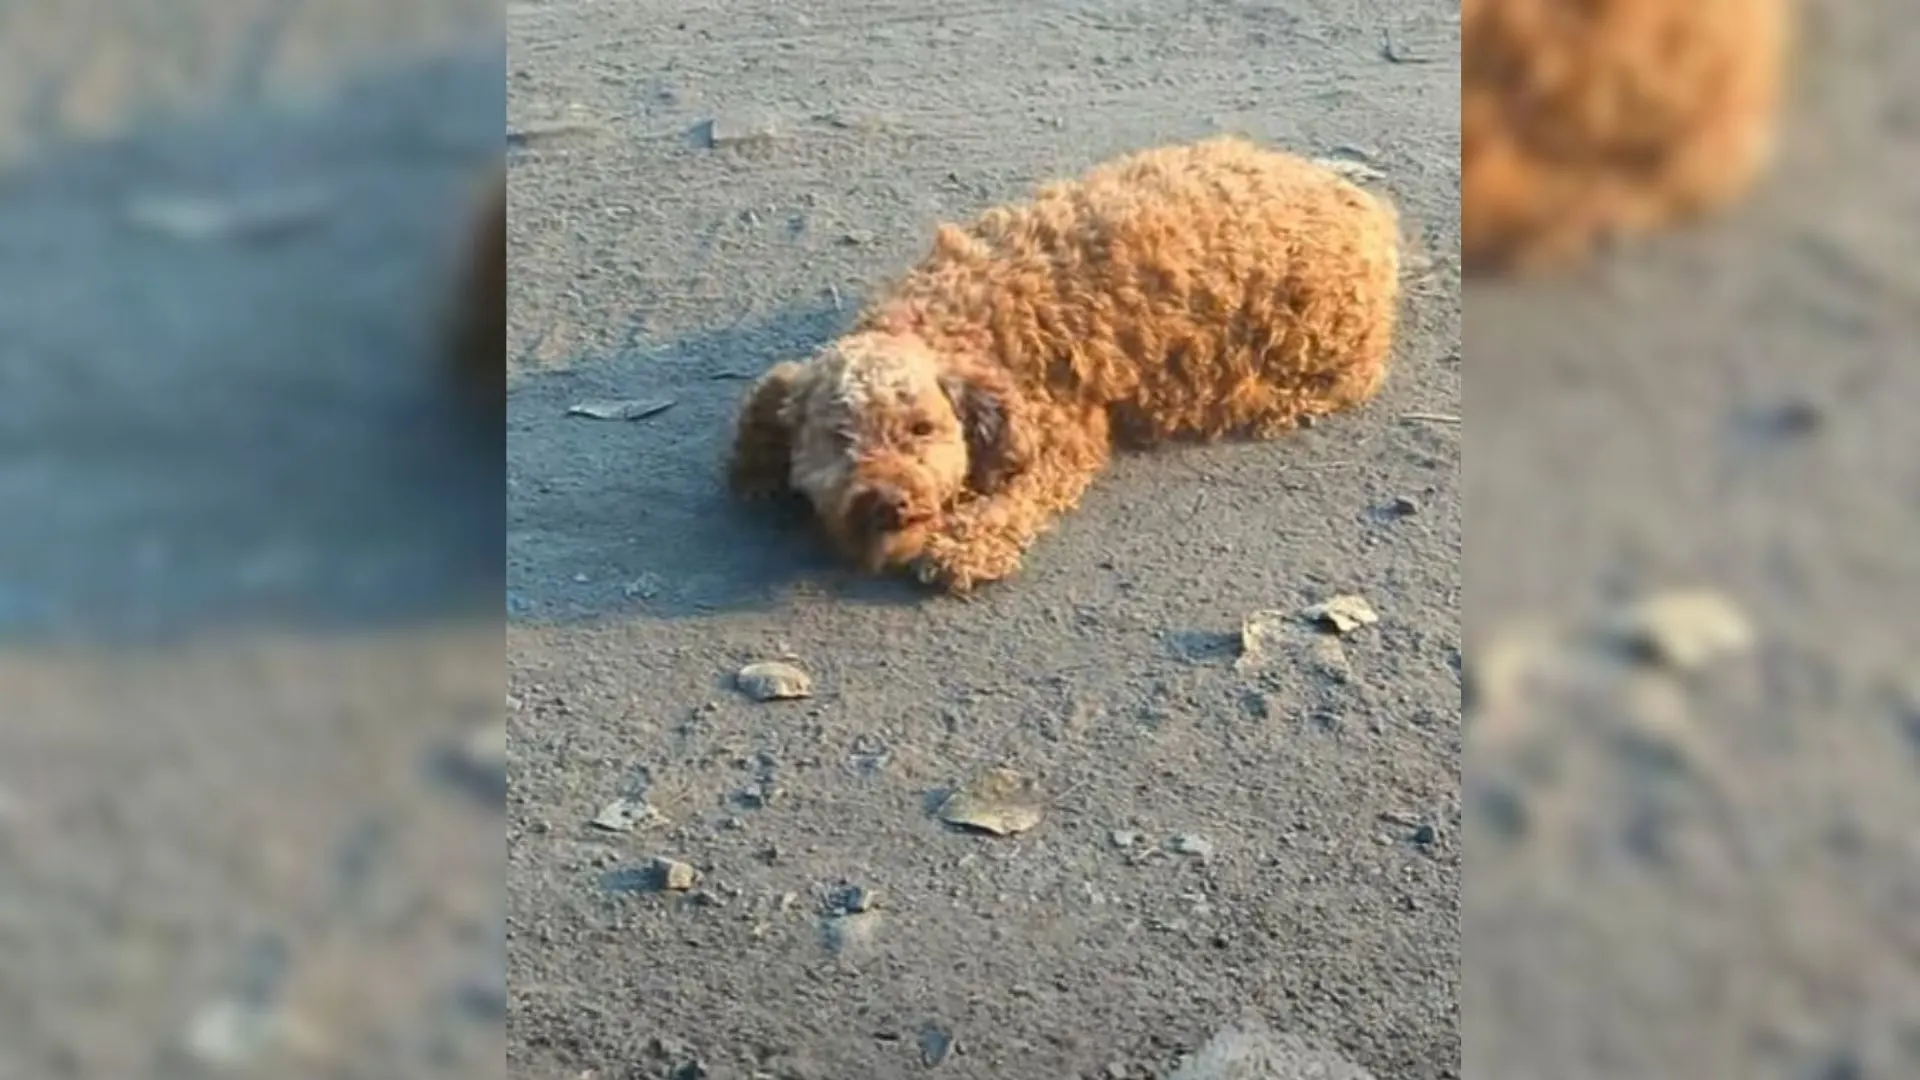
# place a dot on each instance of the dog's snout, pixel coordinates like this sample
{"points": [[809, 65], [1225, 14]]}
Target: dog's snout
{"points": [[879, 510]]}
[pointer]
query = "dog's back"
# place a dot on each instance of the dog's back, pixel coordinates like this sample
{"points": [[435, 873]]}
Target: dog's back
{"points": [[1198, 290]]}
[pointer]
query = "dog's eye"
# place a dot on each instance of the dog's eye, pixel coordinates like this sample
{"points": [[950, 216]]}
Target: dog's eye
{"points": [[922, 428]]}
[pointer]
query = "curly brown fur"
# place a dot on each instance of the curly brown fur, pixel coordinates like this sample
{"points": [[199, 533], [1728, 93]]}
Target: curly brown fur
{"points": [[1585, 120], [1190, 292], [477, 339]]}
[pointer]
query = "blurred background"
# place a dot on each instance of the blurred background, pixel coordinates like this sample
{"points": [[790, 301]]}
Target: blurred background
{"points": [[250, 543], [1694, 697]]}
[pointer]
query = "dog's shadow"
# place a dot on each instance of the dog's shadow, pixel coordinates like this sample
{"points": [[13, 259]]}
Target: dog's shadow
{"points": [[607, 518]]}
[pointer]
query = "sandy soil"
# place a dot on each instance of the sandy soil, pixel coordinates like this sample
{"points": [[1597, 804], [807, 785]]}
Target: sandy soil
{"points": [[249, 557], [650, 262], [1714, 876]]}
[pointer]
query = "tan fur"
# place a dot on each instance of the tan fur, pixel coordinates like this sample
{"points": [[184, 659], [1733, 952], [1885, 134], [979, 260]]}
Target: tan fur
{"points": [[1190, 292], [477, 338], [1585, 120]]}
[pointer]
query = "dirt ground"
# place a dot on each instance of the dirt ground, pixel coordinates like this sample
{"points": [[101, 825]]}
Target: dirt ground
{"points": [[1714, 877], [250, 560], [656, 257]]}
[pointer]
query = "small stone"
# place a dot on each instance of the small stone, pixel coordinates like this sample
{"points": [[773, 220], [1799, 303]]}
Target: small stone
{"points": [[1404, 506], [484, 1000], [1793, 418], [1357, 172], [1188, 844], [477, 763], [1425, 834], [721, 132], [625, 815], [1682, 630], [486, 747], [774, 680], [936, 1044], [625, 409], [998, 801], [1257, 631], [230, 1033], [855, 899], [672, 875], [1124, 838], [1342, 614], [1255, 1054], [1502, 671], [196, 219]]}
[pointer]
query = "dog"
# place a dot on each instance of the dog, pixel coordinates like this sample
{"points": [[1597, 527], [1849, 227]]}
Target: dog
{"points": [[1206, 290], [1582, 123], [475, 342]]}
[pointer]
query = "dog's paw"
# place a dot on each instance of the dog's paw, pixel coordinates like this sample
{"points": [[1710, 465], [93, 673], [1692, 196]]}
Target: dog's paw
{"points": [[931, 572], [959, 568]]}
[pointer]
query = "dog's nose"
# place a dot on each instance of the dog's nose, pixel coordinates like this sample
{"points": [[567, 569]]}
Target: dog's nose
{"points": [[879, 510]]}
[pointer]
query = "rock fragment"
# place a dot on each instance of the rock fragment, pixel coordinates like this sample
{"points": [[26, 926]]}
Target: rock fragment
{"points": [[1251, 1053], [625, 815], [1342, 614], [774, 680], [998, 801], [1683, 630], [672, 875]]}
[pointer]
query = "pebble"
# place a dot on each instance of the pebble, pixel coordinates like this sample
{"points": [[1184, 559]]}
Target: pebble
{"points": [[1257, 631], [774, 680], [1189, 844], [1358, 172], [1682, 630], [719, 132], [1342, 614], [231, 1032], [998, 801], [1124, 838], [936, 1045], [855, 899], [625, 815], [623, 409], [673, 875], [1405, 506]]}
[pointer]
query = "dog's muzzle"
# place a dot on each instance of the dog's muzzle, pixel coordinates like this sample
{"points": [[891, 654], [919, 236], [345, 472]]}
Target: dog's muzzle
{"points": [[877, 511]]}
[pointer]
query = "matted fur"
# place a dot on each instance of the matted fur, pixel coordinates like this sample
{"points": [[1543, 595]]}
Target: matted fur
{"points": [[1584, 120], [477, 337], [1188, 292]]}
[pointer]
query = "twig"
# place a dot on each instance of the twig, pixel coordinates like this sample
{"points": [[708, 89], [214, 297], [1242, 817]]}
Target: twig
{"points": [[1429, 418]]}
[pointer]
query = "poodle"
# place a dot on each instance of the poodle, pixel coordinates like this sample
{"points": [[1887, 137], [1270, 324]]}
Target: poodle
{"points": [[476, 340], [1585, 120], [1188, 292]]}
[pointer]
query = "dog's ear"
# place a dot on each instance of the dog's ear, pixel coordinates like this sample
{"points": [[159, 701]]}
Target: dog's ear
{"points": [[762, 456], [999, 446]]}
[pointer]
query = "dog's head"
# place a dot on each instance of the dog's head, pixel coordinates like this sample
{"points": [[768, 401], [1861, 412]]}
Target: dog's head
{"points": [[882, 435]]}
